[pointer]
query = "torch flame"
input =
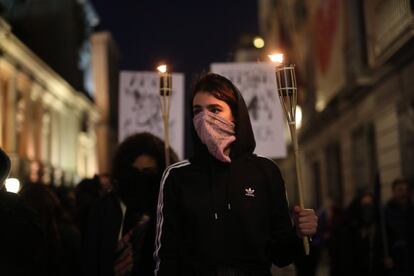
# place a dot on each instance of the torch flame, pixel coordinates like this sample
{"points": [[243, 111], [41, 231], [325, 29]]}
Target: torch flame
{"points": [[276, 58], [162, 68]]}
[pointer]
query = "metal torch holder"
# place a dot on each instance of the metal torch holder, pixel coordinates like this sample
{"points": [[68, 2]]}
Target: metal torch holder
{"points": [[165, 100], [287, 91]]}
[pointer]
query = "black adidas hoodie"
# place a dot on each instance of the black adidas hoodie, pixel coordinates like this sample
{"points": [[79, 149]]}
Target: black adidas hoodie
{"points": [[224, 215]]}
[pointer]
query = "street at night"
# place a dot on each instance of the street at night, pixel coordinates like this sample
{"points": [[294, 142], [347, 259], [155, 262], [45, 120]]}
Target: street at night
{"points": [[211, 138]]}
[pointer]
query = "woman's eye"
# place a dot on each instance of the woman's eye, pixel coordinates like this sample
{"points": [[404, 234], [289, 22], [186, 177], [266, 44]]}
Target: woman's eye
{"points": [[196, 111], [215, 110]]}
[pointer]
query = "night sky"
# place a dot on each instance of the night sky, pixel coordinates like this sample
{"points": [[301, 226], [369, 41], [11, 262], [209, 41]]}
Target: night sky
{"points": [[187, 35]]}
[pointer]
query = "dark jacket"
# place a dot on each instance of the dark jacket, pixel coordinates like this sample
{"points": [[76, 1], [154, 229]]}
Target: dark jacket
{"points": [[101, 238], [214, 216], [360, 242], [21, 238], [400, 229], [138, 191]]}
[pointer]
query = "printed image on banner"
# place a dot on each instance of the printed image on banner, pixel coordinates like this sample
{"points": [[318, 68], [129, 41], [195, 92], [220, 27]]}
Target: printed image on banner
{"points": [[140, 107], [257, 84]]}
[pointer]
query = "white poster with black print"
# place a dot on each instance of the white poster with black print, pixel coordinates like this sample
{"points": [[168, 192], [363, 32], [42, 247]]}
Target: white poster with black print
{"points": [[140, 107], [257, 84]]}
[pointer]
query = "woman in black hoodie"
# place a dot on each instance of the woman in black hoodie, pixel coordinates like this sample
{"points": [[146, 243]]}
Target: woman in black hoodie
{"points": [[225, 212]]}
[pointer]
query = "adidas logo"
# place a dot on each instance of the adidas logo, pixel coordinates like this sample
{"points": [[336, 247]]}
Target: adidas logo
{"points": [[249, 192]]}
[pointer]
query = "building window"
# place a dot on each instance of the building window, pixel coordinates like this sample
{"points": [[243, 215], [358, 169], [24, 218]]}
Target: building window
{"points": [[364, 157]]}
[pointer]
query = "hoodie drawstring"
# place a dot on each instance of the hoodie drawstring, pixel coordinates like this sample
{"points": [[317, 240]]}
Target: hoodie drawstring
{"points": [[228, 183], [213, 188], [213, 193]]}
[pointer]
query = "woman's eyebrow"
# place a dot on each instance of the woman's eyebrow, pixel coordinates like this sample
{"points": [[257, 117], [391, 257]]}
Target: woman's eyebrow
{"points": [[214, 105], [197, 106]]}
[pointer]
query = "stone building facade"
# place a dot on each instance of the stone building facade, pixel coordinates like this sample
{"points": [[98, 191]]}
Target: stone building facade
{"points": [[46, 126], [355, 68]]}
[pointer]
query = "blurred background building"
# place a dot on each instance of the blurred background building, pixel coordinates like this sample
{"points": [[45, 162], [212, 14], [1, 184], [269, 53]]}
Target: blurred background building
{"points": [[58, 83], [355, 64]]}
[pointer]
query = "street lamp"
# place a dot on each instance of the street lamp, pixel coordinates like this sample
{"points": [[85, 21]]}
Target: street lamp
{"points": [[258, 42]]}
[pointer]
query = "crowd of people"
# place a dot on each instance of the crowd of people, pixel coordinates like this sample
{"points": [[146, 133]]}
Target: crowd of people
{"points": [[366, 238], [223, 212], [105, 225]]}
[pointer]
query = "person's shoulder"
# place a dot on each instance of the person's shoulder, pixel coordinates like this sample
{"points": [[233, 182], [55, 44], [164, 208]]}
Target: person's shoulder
{"points": [[9, 200], [266, 162], [13, 204], [391, 206], [177, 172], [177, 168], [15, 211]]}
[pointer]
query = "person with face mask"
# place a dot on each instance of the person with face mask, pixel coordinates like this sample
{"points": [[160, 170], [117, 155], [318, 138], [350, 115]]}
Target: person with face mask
{"points": [[399, 219], [224, 211], [361, 248], [120, 235]]}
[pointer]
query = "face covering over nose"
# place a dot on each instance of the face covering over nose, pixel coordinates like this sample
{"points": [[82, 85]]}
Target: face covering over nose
{"points": [[139, 190], [368, 214], [216, 133]]}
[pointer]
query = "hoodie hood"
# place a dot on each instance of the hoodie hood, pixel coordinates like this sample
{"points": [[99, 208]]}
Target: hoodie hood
{"points": [[245, 142]]}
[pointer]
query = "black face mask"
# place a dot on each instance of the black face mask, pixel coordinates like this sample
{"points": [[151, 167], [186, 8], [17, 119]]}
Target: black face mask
{"points": [[139, 190], [368, 214]]}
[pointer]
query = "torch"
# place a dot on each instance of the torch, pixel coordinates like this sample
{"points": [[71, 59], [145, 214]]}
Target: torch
{"points": [[287, 91], [165, 100]]}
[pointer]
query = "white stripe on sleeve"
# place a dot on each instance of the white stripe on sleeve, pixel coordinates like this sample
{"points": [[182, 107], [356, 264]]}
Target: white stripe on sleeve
{"points": [[160, 218]]}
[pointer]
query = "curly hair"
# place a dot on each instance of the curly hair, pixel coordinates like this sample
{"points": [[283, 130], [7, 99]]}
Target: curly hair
{"points": [[136, 145]]}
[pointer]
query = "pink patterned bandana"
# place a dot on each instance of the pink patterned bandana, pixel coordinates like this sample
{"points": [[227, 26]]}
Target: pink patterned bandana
{"points": [[216, 133]]}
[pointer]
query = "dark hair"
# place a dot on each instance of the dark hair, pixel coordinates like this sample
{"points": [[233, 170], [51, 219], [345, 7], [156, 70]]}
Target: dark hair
{"points": [[219, 87], [48, 207], [137, 145], [400, 181]]}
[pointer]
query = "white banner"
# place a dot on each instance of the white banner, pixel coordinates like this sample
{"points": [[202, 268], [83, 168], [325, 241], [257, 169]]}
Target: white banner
{"points": [[257, 83], [140, 109]]}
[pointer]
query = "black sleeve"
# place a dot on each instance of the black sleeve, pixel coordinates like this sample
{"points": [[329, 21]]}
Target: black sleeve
{"points": [[284, 246], [91, 242], [168, 233]]}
